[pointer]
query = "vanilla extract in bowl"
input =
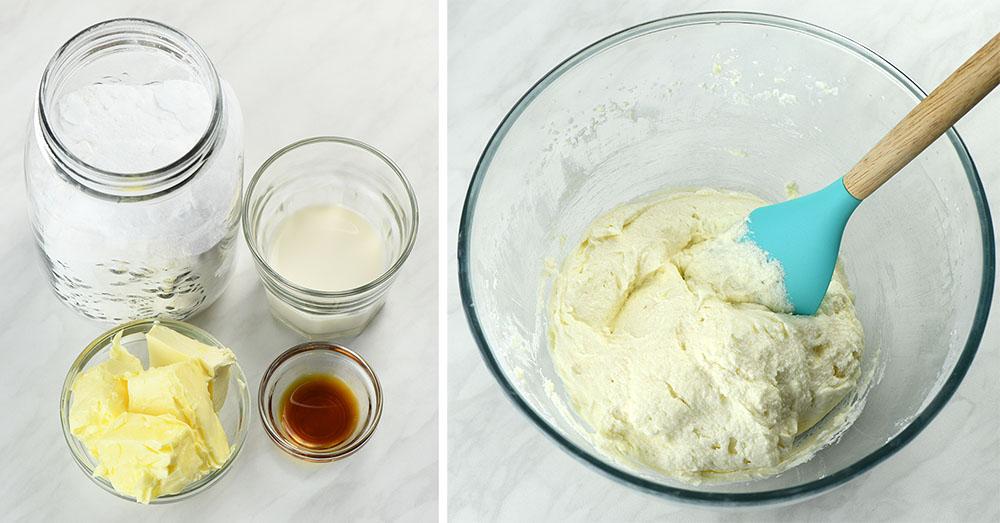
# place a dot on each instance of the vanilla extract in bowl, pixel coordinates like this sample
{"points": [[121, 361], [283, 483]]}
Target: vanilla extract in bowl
{"points": [[319, 411]]}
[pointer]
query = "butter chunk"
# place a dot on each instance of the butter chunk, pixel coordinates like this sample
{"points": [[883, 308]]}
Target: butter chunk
{"points": [[167, 347], [180, 390], [100, 392], [120, 360], [148, 456]]}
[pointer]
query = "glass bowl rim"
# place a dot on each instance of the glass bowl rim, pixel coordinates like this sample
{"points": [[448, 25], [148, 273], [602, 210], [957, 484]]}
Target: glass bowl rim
{"points": [[274, 275], [102, 341], [814, 487], [319, 456]]}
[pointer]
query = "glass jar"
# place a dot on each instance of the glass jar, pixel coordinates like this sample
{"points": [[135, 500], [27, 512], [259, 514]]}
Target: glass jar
{"points": [[120, 245], [329, 170]]}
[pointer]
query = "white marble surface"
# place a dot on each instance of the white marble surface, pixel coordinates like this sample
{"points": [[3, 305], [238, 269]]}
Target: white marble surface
{"points": [[353, 68], [502, 468]]}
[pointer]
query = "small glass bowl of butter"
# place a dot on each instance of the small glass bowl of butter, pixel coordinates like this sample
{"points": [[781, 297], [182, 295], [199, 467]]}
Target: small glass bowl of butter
{"points": [[290, 373], [232, 399], [330, 222]]}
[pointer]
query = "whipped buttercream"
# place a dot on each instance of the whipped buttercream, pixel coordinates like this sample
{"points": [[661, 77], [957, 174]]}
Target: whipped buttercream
{"points": [[675, 344]]}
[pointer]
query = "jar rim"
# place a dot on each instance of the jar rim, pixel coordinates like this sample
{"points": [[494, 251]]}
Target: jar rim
{"points": [[282, 286], [131, 185]]}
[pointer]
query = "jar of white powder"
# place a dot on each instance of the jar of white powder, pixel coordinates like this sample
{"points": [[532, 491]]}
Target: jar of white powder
{"points": [[134, 168]]}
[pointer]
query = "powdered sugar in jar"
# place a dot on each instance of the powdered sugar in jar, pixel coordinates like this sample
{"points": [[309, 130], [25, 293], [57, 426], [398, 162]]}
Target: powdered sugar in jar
{"points": [[134, 169]]}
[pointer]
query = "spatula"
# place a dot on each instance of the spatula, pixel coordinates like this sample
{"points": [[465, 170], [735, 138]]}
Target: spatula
{"points": [[804, 234]]}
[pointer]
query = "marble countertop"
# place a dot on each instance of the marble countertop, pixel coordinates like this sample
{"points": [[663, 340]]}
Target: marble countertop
{"points": [[352, 68], [502, 468]]}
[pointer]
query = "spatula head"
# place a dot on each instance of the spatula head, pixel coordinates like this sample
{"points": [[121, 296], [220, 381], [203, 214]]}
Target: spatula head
{"points": [[803, 235]]}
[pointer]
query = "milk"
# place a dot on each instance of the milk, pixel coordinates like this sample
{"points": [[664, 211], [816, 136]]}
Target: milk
{"points": [[328, 248]]}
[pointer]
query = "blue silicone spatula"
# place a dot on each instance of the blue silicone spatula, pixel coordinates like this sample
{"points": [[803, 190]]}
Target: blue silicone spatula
{"points": [[804, 234]]}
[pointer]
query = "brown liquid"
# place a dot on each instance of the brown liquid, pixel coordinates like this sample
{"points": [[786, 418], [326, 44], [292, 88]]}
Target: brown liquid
{"points": [[319, 411]]}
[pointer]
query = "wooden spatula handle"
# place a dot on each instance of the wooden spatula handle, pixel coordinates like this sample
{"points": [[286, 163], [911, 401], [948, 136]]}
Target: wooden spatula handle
{"points": [[927, 121]]}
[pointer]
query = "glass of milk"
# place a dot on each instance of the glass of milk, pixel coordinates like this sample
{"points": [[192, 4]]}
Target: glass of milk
{"points": [[329, 221]]}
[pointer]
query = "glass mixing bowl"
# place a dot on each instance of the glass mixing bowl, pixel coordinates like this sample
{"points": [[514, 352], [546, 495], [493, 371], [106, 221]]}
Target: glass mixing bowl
{"points": [[747, 102]]}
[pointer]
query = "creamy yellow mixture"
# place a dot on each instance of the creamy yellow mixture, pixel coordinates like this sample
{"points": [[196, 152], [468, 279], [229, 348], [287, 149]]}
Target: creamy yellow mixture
{"points": [[154, 431], [674, 342]]}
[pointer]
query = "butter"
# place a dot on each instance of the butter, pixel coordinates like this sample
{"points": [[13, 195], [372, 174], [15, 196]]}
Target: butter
{"points": [[167, 347], [147, 456], [101, 394], [180, 391], [153, 431]]}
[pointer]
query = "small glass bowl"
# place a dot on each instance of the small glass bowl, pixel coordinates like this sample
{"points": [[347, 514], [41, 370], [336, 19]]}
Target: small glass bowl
{"points": [[325, 358], [321, 171], [234, 413]]}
